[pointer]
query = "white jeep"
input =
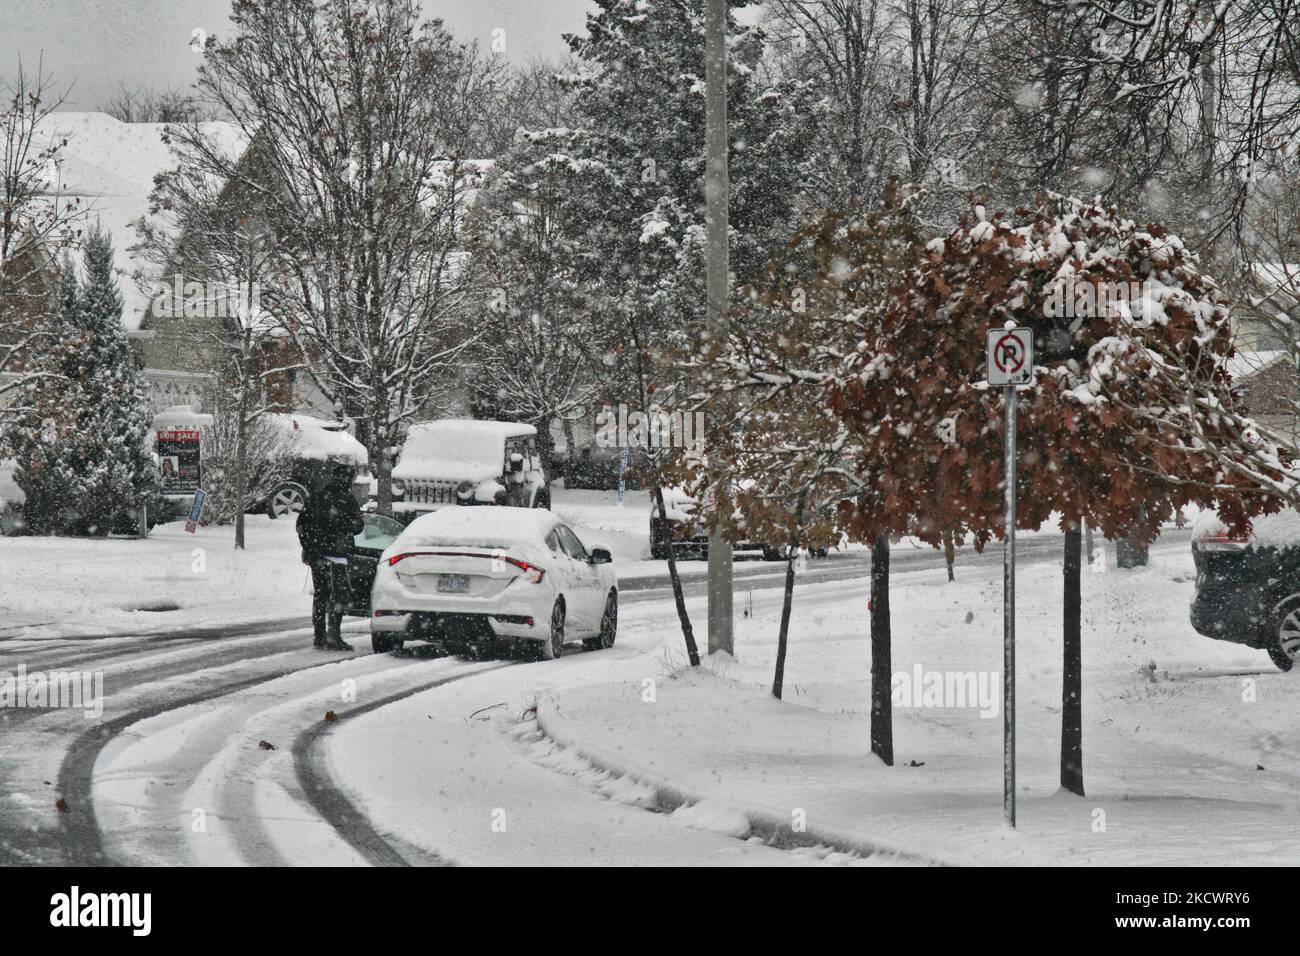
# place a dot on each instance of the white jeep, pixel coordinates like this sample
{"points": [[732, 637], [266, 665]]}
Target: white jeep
{"points": [[458, 461]]}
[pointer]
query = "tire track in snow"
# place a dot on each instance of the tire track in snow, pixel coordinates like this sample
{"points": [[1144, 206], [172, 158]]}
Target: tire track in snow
{"points": [[81, 838], [328, 799]]}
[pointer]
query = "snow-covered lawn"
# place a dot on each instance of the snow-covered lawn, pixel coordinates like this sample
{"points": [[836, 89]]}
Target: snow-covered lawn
{"points": [[1188, 756], [65, 587]]}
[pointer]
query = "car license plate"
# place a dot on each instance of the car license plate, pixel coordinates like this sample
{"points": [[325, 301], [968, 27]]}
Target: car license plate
{"points": [[454, 583]]}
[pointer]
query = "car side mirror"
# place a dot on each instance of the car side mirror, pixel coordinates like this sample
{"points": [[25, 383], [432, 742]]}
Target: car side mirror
{"points": [[601, 556]]}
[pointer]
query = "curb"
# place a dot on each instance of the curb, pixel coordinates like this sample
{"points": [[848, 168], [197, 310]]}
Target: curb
{"points": [[772, 827]]}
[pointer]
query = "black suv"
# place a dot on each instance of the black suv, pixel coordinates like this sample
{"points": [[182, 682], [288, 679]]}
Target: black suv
{"points": [[1248, 589]]}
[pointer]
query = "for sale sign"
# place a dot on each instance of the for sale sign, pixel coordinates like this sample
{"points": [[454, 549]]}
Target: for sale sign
{"points": [[179, 459]]}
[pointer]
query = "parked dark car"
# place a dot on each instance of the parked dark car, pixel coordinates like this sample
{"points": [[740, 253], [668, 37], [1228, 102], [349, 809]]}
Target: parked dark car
{"points": [[686, 535], [377, 533], [1248, 589], [597, 469], [313, 443]]}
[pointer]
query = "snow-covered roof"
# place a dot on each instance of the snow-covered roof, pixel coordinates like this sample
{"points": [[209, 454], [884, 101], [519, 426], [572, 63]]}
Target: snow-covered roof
{"points": [[488, 526], [1246, 362], [110, 167]]}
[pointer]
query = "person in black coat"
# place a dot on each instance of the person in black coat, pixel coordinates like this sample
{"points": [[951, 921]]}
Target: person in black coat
{"points": [[326, 527]]}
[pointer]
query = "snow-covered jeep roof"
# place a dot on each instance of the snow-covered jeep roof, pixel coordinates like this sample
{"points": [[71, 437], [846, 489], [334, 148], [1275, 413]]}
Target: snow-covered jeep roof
{"points": [[456, 449]]}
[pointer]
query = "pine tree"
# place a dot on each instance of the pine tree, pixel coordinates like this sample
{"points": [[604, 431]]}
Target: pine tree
{"points": [[640, 152], [638, 209], [83, 457], [536, 359]]}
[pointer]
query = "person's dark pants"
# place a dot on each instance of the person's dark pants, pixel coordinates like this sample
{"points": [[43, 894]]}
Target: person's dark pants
{"points": [[329, 583]]}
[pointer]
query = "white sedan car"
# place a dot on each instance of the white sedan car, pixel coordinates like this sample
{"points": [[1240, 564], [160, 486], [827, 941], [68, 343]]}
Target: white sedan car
{"points": [[478, 577]]}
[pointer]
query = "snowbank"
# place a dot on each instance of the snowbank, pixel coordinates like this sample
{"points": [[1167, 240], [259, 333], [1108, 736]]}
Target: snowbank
{"points": [[1182, 736]]}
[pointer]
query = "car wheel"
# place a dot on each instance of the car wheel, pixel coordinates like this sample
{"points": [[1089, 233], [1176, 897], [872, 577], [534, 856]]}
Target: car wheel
{"points": [[609, 621], [290, 496], [608, 626], [554, 647], [1284, 648], [382, 643]]}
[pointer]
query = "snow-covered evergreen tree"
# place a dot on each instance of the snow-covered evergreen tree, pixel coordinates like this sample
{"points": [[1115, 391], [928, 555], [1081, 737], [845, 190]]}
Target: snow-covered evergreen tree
{"points": [[82, 452], [640, 150]]}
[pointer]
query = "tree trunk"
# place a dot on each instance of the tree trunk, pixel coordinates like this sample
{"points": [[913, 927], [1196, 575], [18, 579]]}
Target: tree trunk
{"points": [[569, 451], [379, 440], [692, 652], [383, 478], [882, 713], [1072, 674], [949, 552], [546, 447], [241, 454], [778, 679]]}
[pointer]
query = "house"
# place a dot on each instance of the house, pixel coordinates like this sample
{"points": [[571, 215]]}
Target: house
{"points": [[108, 167], [1265, 366]]}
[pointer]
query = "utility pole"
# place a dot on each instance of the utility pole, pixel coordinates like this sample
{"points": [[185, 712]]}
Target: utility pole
{"points": [[717, 282]]}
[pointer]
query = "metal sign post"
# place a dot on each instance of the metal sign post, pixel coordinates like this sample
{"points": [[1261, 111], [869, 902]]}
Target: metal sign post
{"points": [[1010, 363], [622, 472]]}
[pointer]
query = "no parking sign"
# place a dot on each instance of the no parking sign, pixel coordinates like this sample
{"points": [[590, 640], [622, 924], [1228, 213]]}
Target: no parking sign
{"points": [[1011, 356]]}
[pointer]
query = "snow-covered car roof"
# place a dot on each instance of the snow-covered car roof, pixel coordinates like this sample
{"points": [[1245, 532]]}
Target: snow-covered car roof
{"points": [[1281, 530], [470, 426], [479, 527], [320, 439]]}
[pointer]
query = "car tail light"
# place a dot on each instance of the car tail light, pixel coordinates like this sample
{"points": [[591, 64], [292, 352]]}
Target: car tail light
{"points": [[532, 572], [1221, 542]]}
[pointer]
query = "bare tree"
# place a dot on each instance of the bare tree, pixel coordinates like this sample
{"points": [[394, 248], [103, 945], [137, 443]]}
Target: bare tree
{"points": [[360, 120], [36, 221], [1153, 53], [205, 241], [246, 459], [525, 96], [141, 105], [904, 95]]}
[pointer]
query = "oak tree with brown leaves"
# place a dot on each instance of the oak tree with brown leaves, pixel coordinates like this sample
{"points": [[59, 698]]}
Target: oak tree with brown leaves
{"points": [[1105, 298]]}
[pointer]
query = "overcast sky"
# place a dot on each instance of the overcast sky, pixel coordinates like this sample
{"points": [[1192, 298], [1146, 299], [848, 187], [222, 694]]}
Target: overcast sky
{"points": [[95, 46]]}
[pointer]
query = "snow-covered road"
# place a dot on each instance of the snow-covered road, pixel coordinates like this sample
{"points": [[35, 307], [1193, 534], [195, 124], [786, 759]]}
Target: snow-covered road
{"points": [[210, 752], [239, 744]]}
